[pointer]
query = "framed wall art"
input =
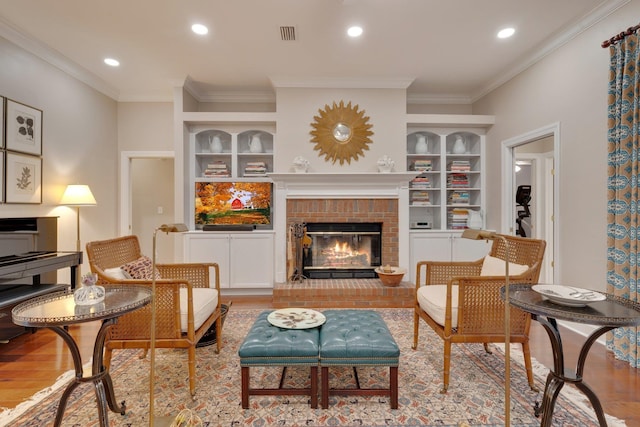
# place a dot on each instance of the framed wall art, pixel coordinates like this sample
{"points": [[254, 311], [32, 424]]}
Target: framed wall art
{"points": [[23, 128], [23, 178]]}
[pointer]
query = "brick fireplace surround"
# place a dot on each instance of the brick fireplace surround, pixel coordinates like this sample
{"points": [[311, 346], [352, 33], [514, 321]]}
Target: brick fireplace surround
{"points": [[345, 197]]}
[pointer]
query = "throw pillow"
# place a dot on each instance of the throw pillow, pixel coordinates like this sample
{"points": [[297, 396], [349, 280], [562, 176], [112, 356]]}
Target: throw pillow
{"points": [[116, 273], [492, 266], [142, 268]]}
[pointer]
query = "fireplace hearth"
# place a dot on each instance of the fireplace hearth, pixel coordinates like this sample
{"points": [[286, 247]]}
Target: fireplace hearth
{"points": [[341, 250]]}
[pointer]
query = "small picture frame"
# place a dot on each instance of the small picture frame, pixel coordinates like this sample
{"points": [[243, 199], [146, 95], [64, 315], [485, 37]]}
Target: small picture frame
{"points": [[23, 128], [23, 178]]}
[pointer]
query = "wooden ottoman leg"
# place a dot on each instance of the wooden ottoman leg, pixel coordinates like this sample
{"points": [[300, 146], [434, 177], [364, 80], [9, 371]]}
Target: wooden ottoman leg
{"points": [[393, 386], [245, 386], [324, 375], [314, 387]]}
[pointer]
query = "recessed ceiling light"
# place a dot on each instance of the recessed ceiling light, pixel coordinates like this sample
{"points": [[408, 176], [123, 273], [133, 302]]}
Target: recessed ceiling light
{"points": [[354, 31], [199, 29], [112, 62], [505, 33]]}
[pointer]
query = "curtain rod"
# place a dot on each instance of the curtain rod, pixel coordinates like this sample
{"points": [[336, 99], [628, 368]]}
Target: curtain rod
{"points": [[618, 37]]}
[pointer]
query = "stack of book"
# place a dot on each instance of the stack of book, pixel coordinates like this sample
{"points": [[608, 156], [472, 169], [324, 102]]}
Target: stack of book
{"points": [[460, 166], [422, 165], [421, 181], [420, 198], [217, 169], [458, 180], [255, 169], [459, 198], [458, 219]]}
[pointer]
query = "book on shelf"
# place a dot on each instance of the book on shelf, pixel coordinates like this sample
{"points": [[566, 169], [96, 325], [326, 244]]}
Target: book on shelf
{"points": [[421, 181], [255, 169], [422, 165]]}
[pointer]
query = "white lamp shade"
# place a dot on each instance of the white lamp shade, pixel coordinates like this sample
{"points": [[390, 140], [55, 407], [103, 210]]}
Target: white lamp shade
{"points": [[78, 195]]}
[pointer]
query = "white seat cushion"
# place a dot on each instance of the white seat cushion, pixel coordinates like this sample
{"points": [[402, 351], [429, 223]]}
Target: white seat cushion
{"points": [[433, 300], [205, 302], [492, 266]]}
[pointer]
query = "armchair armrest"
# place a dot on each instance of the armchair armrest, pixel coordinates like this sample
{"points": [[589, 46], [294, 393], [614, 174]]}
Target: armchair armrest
{"points": [[440, 272]]}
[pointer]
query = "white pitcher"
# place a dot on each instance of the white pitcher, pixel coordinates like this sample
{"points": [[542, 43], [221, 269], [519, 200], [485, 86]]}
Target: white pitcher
{"points": [[422, 146], [459, 146], [255, 145], [215, 145]]}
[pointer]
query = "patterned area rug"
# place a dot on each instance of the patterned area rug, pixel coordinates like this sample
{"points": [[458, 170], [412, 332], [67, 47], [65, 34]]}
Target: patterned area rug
{"points": [[475, 396]]}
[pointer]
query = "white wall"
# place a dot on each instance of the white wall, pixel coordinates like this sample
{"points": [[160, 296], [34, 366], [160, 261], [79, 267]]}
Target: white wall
{"points": [[79, 144], [296, 108], [568, 86]]}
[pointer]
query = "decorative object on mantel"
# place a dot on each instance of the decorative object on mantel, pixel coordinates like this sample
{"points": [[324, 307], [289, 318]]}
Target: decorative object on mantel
{"points": [[89, 293], [385, 164], [390, 276], [341, 132], [300, 165]]}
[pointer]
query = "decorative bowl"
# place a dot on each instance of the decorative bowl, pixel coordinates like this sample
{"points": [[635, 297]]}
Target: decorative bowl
{"points": [[390, 278]]}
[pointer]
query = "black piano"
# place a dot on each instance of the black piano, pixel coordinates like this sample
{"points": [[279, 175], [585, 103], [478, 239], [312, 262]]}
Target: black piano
{"points": [[30, 271]]}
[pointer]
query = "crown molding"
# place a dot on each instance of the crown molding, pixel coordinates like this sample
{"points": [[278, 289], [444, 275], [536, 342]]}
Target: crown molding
{"points": [[341, 83], [591, 18], [425, 98], [56, 59]]}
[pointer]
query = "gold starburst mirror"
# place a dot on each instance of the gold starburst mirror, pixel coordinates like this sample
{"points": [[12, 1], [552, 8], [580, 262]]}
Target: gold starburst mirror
{"points": [[341, 132]]}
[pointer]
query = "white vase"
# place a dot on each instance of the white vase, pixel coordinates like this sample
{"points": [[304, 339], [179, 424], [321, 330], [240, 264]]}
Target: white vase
{"points": [[459, 146], [215, 144], [422, 145]]}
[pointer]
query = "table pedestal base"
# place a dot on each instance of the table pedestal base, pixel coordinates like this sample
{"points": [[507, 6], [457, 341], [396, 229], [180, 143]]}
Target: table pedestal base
{"points": [[100, 377], [557, 377]]}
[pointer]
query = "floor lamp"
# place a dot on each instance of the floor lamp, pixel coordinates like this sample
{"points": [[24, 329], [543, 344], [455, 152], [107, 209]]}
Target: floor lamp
{"points": [[490, 235], [160, 421], [78, 195]]}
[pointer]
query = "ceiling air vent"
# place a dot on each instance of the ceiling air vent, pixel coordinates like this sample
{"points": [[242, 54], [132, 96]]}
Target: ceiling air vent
{"points": [[288, 33]]}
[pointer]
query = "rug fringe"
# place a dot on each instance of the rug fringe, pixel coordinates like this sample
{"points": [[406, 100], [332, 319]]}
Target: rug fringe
{"points": [[9, 415]]}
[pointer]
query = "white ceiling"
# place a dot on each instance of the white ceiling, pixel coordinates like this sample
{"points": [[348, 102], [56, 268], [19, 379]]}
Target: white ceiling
{"points": [[443, 51]]}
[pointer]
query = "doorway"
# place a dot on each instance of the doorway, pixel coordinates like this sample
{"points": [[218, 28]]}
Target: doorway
{"points": [[536, 152], [146, 198]]}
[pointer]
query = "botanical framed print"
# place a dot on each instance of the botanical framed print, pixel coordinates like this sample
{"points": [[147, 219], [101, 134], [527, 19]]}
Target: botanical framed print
{"points": [[23, 178], [23, 128]]}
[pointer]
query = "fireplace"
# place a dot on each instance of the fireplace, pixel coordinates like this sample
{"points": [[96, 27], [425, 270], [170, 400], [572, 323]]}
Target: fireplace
{"points": [[341, 250]]}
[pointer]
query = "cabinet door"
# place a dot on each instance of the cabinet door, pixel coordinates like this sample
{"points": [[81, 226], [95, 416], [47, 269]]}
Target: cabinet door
{"points": [[251, 260], [428, 247], [469, 250], [209, 247]]}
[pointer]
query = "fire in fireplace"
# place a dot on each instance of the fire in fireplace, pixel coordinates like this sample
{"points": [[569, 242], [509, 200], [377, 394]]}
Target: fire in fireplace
{"points": [[342, 250]]}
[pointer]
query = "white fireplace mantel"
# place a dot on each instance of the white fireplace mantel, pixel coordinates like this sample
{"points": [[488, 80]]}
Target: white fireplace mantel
{"points": [[341, 185]]}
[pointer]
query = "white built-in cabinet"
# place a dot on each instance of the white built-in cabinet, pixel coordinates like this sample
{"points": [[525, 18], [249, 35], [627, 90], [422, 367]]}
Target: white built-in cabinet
{"points": [[245, 258], [451, 181], [449, 151], [443, 246], [219, 147]]}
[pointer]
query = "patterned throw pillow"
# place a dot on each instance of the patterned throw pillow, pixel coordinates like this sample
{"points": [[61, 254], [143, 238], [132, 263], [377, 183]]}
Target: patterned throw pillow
{"points": [[141, 268]]}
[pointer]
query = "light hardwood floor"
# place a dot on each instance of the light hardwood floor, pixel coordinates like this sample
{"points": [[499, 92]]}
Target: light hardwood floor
{"points": [[32, 362]]}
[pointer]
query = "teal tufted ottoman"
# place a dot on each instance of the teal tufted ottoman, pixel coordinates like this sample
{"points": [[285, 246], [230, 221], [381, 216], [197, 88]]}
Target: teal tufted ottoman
{"points": [[268, 345], [357, 338]]}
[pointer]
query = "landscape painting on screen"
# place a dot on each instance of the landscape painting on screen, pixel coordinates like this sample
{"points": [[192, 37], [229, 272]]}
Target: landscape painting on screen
{"points": [[225, 203]]}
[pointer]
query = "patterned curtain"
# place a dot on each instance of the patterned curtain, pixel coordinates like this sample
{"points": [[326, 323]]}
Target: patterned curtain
{"points": [[623, 217]]}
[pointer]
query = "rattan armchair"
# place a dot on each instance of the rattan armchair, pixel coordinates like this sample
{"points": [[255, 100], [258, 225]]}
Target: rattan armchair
{"points": [[476, 299], [133, 329]]}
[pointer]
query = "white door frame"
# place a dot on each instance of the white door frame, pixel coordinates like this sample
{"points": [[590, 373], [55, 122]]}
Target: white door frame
{"points": [[126, 157], [508, 179]]}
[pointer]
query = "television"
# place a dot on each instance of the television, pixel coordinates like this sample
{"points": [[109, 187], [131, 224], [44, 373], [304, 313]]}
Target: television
{"points": [[232, 203]]}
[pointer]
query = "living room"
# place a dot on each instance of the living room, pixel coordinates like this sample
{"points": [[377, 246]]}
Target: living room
{"points": [[86, 131]]}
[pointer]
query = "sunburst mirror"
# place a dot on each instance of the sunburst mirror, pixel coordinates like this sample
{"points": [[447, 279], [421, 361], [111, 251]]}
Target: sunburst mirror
{"points": [[341, 132]]}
